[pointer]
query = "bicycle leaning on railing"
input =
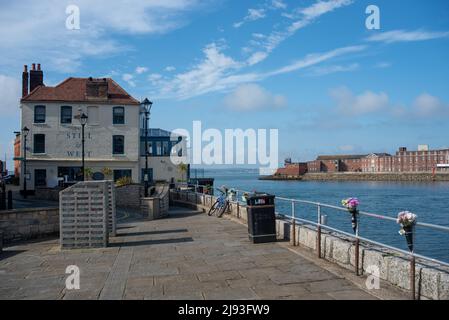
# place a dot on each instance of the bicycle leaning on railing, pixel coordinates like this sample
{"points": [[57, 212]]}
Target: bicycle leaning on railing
{"points": [[223, 202]]}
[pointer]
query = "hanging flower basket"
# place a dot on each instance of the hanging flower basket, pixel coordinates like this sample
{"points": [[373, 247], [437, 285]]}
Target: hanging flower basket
{"points": [[407, 220], [352, 204]]}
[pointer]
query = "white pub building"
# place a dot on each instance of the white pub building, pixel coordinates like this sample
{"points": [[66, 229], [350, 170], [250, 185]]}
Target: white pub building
{"points": [[113, 141]]}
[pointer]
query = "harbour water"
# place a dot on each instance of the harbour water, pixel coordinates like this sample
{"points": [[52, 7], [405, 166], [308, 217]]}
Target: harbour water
{"points": [[430, 201]]}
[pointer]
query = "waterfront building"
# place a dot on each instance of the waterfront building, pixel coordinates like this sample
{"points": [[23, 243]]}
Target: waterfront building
{"points": [[336, 163], [165, 151], [292, 169], [377, 162], [421, 160], [113, 133]]}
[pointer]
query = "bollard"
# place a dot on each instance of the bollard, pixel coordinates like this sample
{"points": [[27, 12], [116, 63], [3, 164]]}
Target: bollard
{"points": [[9, 199], [2, 201], [238, 210]]}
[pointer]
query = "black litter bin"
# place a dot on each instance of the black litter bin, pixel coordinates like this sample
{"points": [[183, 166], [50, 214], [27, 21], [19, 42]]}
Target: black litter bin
{"points": [[261, 218]]}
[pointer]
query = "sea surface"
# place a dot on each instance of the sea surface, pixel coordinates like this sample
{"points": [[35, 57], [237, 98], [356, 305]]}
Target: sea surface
{"points": [[430, 201]]}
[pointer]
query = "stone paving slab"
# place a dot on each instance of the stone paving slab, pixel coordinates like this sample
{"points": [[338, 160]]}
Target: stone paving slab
{"points": [[186, 256]]}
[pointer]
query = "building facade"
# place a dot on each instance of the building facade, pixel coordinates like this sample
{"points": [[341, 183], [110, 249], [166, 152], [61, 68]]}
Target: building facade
{"points": [[113, 133], [165, 152], [421, 160], [336, 163], [54, 139], [292, 169]]}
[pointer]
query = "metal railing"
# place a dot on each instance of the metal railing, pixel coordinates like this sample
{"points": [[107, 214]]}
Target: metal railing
{"points": [[294, 219]]}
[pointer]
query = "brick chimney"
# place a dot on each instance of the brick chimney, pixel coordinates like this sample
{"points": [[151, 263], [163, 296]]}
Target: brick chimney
{"points": [[25, 81], [36, 77], [97, 89]]}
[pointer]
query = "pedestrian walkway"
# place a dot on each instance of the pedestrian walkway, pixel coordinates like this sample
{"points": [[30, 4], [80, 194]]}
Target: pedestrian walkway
{"points": [[186, 256]]}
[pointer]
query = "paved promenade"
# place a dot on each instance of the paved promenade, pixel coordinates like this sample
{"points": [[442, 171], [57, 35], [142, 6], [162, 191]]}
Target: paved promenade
{"points": [[187, 256]]}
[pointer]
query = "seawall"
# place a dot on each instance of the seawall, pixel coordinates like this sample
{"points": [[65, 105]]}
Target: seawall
{"points": [[361, 176]]}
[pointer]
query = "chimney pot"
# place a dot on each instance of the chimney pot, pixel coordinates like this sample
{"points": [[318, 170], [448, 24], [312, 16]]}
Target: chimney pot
{"points": [[36, 77], [25, 68]]}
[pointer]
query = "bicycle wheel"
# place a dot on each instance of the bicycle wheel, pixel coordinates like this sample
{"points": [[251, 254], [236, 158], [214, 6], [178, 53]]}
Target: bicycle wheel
{"points": [[222, 210], [213, 208]]}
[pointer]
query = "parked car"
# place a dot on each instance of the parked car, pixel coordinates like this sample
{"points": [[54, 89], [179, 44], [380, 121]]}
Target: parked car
{"points": [[7, 179]]}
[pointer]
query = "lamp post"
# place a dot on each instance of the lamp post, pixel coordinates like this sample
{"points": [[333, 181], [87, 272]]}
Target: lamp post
{"points": [[25, 132], [146, 106], [83, 120]]}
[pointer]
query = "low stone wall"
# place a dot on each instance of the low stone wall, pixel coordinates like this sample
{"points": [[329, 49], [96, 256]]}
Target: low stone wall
{"points": [[355, 176], [51, 194], [23, 224], [432, 281], [128, 197]]}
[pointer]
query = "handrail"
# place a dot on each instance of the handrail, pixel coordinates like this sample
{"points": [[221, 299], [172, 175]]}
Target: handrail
{"points": [[356, 236]]}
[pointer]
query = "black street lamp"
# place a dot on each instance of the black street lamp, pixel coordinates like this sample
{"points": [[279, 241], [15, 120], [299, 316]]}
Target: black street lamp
{"points": [[25, 132], [146, 105], [83, 120]]}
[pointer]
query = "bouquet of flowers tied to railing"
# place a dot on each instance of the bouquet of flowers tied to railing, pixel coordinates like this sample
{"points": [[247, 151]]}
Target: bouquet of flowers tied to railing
{"points": [[351, 204], [407, 220]]}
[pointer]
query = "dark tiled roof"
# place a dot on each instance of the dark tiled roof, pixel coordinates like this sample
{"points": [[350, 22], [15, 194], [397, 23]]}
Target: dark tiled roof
{"points": [[342, 157], [74, 90]]}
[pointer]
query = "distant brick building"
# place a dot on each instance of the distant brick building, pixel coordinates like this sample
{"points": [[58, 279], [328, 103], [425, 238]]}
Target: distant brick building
{"points": [[422, 160], [292, 169], [336, 163]]}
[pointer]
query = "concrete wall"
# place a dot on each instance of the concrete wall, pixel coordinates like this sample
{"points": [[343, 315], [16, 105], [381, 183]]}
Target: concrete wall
{"points": [[23, 224], [432, 281], [163, 169]]}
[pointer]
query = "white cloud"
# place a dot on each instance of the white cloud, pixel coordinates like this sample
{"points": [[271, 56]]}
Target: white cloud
{"points": [[382, 65], [31, 29], [170, 69], [218, 72], [203, 77], [302, 17], [249, 97], [129, 79], [278, 4], [140, 70], [253, 15], [10, 93], [315, 58], [426, 105], [407, 36], [257, 57], [321, 71], [352, 105]]}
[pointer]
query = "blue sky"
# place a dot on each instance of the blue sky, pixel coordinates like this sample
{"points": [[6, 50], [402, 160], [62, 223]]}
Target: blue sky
{"points": [[308, 68]]}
